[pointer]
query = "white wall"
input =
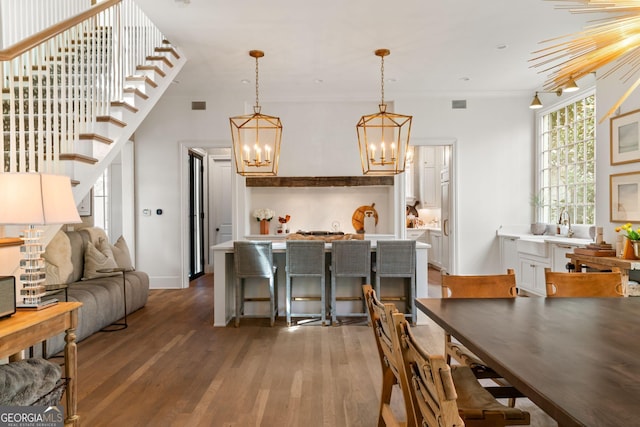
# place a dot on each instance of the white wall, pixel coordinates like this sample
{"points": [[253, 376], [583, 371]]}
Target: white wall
{"points": [[494, 147], [608, 91], [493, 171]]}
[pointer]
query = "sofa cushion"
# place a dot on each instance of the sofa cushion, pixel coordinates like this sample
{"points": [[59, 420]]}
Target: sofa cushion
{"points": [[99, 257], [121, 254], [59, 267]]}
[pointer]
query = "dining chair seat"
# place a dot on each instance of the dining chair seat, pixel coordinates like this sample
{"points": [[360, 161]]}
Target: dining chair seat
{"points": [[254, 260], [397, 259], [305, 259]]}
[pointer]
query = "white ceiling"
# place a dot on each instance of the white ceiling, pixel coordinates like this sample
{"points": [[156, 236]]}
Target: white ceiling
{"points": [[447, 47]]}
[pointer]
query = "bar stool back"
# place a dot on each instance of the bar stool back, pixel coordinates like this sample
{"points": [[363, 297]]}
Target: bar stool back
{"points": [[305, 258], [349, 258], [254, 260], [397, 258]]}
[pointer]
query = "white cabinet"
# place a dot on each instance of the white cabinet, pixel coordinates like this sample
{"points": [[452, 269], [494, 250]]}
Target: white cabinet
{"points": [[558, 256], [430, 160], [534, 255], [531, 275], [508, 254], [435, 253]]}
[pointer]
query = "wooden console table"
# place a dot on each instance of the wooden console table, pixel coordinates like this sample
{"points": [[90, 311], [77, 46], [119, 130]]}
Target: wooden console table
{"points": [[606, 263], [27, 327]]}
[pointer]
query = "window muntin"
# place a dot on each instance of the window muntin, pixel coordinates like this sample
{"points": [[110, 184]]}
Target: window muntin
{"points": [[566, 162]]}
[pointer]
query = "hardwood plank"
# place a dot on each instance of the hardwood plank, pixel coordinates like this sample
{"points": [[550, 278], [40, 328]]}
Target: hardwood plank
{"points": [[170, 367]]}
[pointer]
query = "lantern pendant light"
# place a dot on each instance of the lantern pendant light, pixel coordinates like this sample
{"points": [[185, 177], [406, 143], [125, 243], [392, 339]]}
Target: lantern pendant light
{"points": [[256, 138], [383, 138]]}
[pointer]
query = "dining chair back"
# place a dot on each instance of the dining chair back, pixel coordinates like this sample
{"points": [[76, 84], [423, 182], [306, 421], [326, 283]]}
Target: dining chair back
{"points": [[389, 360], [482, 286], [443, 395], [479, 286], [475, 286], [305, 258], [349, 259], [397, 258], [590, 284], [254, 260]]}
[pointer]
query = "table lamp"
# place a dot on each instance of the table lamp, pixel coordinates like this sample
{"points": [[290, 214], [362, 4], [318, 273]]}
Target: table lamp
{"points": [[33, 199]]}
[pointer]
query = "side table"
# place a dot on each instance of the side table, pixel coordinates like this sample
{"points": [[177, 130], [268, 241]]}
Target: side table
{"points": [[116, 326], [27, 327]]}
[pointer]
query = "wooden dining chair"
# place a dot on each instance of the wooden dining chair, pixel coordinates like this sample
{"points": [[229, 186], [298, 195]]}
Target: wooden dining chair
{"points": [[389, 361], [479, 286], [590, 284], [443, 395], [468, 286]]}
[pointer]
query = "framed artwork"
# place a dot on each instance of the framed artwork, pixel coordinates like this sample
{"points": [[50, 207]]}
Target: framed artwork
{"points": [[85, 208], [624, 194], [625, 138]]}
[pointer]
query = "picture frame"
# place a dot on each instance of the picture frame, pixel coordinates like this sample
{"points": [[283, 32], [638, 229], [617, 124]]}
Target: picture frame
{"points": [[624, 197], [625, 138], [85, 208]]}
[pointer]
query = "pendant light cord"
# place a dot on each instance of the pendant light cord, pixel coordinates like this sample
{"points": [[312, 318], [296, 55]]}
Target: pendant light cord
{"points": [[257, 104], [382, 78]]}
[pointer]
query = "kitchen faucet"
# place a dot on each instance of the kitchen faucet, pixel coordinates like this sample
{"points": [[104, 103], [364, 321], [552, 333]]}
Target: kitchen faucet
{"points": [[567, 221]]}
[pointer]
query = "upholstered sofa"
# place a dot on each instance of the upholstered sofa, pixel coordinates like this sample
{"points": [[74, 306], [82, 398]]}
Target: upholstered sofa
{"points": [[74, 258]]}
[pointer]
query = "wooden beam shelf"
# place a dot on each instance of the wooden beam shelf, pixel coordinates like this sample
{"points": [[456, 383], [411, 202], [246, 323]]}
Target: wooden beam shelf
{"points": [[318, 181]]}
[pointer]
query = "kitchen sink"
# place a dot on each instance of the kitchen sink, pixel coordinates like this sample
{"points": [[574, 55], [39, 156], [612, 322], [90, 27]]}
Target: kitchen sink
{"points": [[534, 245]]}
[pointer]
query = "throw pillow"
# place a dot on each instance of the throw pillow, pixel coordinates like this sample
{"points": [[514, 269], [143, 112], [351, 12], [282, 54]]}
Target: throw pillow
{"points": [[121, 254], [57, 256], [97, 258]]}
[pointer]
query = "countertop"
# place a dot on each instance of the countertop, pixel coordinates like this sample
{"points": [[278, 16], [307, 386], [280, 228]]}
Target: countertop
{"points": [[425, 228], [517, 234]]}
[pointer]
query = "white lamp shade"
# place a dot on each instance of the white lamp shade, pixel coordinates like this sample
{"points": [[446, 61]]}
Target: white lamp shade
{"points": [[34, 198]]}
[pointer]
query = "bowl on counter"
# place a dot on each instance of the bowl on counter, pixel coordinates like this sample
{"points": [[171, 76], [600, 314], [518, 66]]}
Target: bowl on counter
{"points": [[538, 228]]}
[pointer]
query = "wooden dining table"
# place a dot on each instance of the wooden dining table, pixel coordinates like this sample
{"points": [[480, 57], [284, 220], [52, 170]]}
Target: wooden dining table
{"points": [[576, 358]]}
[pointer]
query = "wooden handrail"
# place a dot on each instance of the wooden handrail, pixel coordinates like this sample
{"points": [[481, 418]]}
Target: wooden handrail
{"points": [[48, 33]]}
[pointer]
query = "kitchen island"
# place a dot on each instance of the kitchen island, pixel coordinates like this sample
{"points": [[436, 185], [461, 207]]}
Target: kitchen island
{"points": [[224, 279]]}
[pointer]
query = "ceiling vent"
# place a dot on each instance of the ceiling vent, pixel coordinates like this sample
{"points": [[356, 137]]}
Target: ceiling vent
{"points": [[198, 105], [459, 104]]}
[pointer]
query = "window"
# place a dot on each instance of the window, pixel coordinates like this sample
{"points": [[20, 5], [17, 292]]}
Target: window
{"points": [[566, 162], [101, 202]]}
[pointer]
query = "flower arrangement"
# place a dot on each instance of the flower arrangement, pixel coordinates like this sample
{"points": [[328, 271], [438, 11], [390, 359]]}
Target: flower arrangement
{"points": [[629, 232], [263, 213]]}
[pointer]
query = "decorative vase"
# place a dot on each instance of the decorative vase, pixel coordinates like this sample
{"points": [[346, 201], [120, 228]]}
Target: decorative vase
{"points": [[630, 249], [264, 226]]}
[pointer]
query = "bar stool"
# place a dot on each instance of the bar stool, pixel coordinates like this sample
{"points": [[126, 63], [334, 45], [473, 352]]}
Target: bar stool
{"points": [[397, 258], [254, 260], [305, 258], [349, 258]]}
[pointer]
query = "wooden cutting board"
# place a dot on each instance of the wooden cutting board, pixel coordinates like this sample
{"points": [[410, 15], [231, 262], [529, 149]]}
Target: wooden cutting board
{"points": [[594, 252], [357, 219]]}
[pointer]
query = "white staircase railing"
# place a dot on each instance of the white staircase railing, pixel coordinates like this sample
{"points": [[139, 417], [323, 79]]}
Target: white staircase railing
{"points": [[57, 83]]}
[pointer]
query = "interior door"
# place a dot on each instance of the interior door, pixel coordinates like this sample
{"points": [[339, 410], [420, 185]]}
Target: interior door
{"points": [[220, 201]]}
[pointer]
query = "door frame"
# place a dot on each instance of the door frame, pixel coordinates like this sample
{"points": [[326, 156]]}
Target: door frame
{"points": [[183, 147], [202, 196], [454, 243]]}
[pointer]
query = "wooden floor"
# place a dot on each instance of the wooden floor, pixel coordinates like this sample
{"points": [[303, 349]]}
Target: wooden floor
{"points": [[170, 367]]}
